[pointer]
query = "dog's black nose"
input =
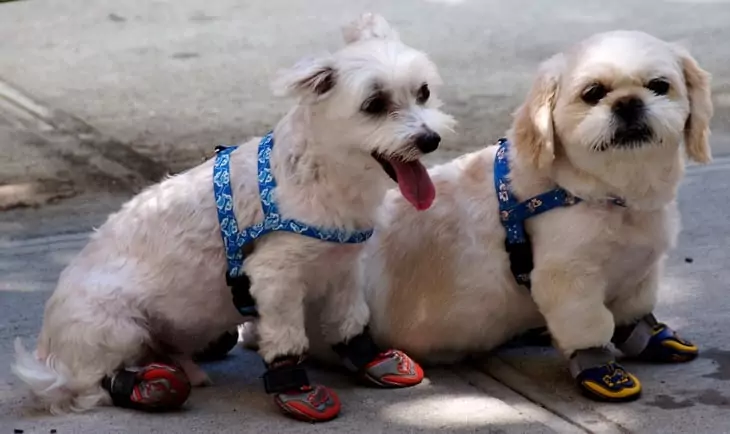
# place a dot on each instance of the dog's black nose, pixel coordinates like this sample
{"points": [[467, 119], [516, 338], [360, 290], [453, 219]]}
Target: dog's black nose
{"points": [[428, 141], [629, 109]]}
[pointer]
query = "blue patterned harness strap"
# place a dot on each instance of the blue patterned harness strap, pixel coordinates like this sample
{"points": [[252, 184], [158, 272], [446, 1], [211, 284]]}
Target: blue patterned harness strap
{"points": [[234, 238], [513, 214]]}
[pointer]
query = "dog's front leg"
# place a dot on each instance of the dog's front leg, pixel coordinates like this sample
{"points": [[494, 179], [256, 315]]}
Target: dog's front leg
{"points": [[346, 317], [573, 306], [345, 314], [638, 334], [279, 289], [571, 298]]}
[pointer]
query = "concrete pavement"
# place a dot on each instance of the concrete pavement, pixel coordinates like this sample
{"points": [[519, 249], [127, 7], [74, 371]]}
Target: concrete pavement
{"points": [[99, 99], [175, 78]]}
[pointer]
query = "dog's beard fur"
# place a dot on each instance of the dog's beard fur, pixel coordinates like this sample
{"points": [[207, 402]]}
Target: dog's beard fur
{"points": [[662, 123]]}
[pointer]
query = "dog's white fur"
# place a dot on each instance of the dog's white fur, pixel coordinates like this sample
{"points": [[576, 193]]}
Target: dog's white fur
{"points": [[151, 279], [438, 283]]}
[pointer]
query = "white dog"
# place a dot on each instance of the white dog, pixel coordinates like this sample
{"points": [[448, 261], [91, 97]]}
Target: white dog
{"points": [[152, 281], [603, 123]]}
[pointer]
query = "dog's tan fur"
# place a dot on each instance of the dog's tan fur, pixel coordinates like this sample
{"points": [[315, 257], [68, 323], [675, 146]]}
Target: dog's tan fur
{"points": [[438, 283]]}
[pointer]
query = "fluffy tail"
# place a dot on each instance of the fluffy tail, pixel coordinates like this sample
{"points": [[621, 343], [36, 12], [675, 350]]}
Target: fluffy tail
{"points": [[52, 383]]}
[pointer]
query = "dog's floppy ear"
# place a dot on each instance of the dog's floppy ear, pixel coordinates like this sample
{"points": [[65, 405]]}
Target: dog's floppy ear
{"points": [[697, 128], [368, 26], [532, 130], [309, 77]]}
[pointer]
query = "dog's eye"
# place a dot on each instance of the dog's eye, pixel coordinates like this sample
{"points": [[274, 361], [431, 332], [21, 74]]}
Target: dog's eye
{"points": [[423, 94], [594, 93], [375, 105], [659, 86]]}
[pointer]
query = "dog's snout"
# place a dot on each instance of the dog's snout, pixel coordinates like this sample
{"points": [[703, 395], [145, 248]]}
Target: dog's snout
{"points": [[629, 109], [428, 141]]}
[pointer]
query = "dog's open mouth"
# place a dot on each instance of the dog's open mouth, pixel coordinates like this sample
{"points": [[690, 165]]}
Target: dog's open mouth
{"points": [[412, 178]]}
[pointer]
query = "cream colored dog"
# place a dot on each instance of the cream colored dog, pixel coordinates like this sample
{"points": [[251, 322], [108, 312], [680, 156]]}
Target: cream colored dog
{"points": [[151, 282], [605, 119]]}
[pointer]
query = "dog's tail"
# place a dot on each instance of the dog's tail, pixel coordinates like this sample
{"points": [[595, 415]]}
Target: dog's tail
{"points": [[52, 382]]}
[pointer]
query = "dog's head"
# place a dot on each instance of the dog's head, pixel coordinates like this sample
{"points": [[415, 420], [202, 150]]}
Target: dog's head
{"points": [[618, 98], [375, 98]]}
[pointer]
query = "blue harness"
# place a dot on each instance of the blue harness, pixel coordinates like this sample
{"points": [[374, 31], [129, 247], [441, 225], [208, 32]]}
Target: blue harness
{"points": [[234, 239], [513, 214]]}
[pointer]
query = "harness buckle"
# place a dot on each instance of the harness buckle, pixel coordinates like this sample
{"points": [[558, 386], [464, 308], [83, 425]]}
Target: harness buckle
{"points": [[520, 261], [241, 290]]}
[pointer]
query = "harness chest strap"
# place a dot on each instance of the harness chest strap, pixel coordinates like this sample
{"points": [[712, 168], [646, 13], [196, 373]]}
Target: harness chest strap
{"points": [[234, 239], [513, 214]]}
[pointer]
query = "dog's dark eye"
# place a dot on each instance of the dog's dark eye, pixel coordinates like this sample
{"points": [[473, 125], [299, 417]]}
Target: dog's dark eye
{"points": [[594, 93], [423, 94], [375, 105], [659, 86]]}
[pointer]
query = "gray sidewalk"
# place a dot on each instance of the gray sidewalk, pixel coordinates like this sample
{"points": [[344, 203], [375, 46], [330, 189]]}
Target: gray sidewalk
{"points": [[176, 78], [98, 99]]}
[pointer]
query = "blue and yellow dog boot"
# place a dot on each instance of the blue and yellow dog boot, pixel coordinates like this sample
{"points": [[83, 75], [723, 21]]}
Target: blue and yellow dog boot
{"points": [[651, 341], [600, 378]]}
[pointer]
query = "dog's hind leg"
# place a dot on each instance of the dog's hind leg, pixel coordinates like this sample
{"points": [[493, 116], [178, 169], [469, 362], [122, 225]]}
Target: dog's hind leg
{"points": [[196, 375], [89, 361], [78, 351]]}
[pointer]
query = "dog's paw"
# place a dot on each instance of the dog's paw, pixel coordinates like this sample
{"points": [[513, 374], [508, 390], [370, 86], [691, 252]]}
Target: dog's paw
{"points": [[196, 374], [249, 336]]}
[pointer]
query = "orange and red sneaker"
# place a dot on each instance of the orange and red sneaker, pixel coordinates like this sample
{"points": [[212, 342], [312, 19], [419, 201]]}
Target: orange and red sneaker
{"points": [[393, 368], [309, 403], [286, 379]]}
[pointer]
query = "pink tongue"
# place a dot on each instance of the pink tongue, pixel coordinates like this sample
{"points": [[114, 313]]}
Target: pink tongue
{"points": [[414, 183]]}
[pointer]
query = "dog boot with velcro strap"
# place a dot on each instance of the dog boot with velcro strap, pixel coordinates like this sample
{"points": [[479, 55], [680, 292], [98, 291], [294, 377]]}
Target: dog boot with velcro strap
{"points": [[387, 369], [651, 341], [287, 380], [600, 378], [154, 387]]}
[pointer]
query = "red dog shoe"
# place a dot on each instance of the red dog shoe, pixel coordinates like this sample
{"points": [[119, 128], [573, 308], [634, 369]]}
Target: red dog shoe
{"points": [[287, 380], [309, 403], [154, 387], [393, 368]]}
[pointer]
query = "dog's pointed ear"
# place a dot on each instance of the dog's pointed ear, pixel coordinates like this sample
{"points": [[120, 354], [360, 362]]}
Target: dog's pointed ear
{"points": [[368, 26], [532, 129], [697, 127], [309, 77]]}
